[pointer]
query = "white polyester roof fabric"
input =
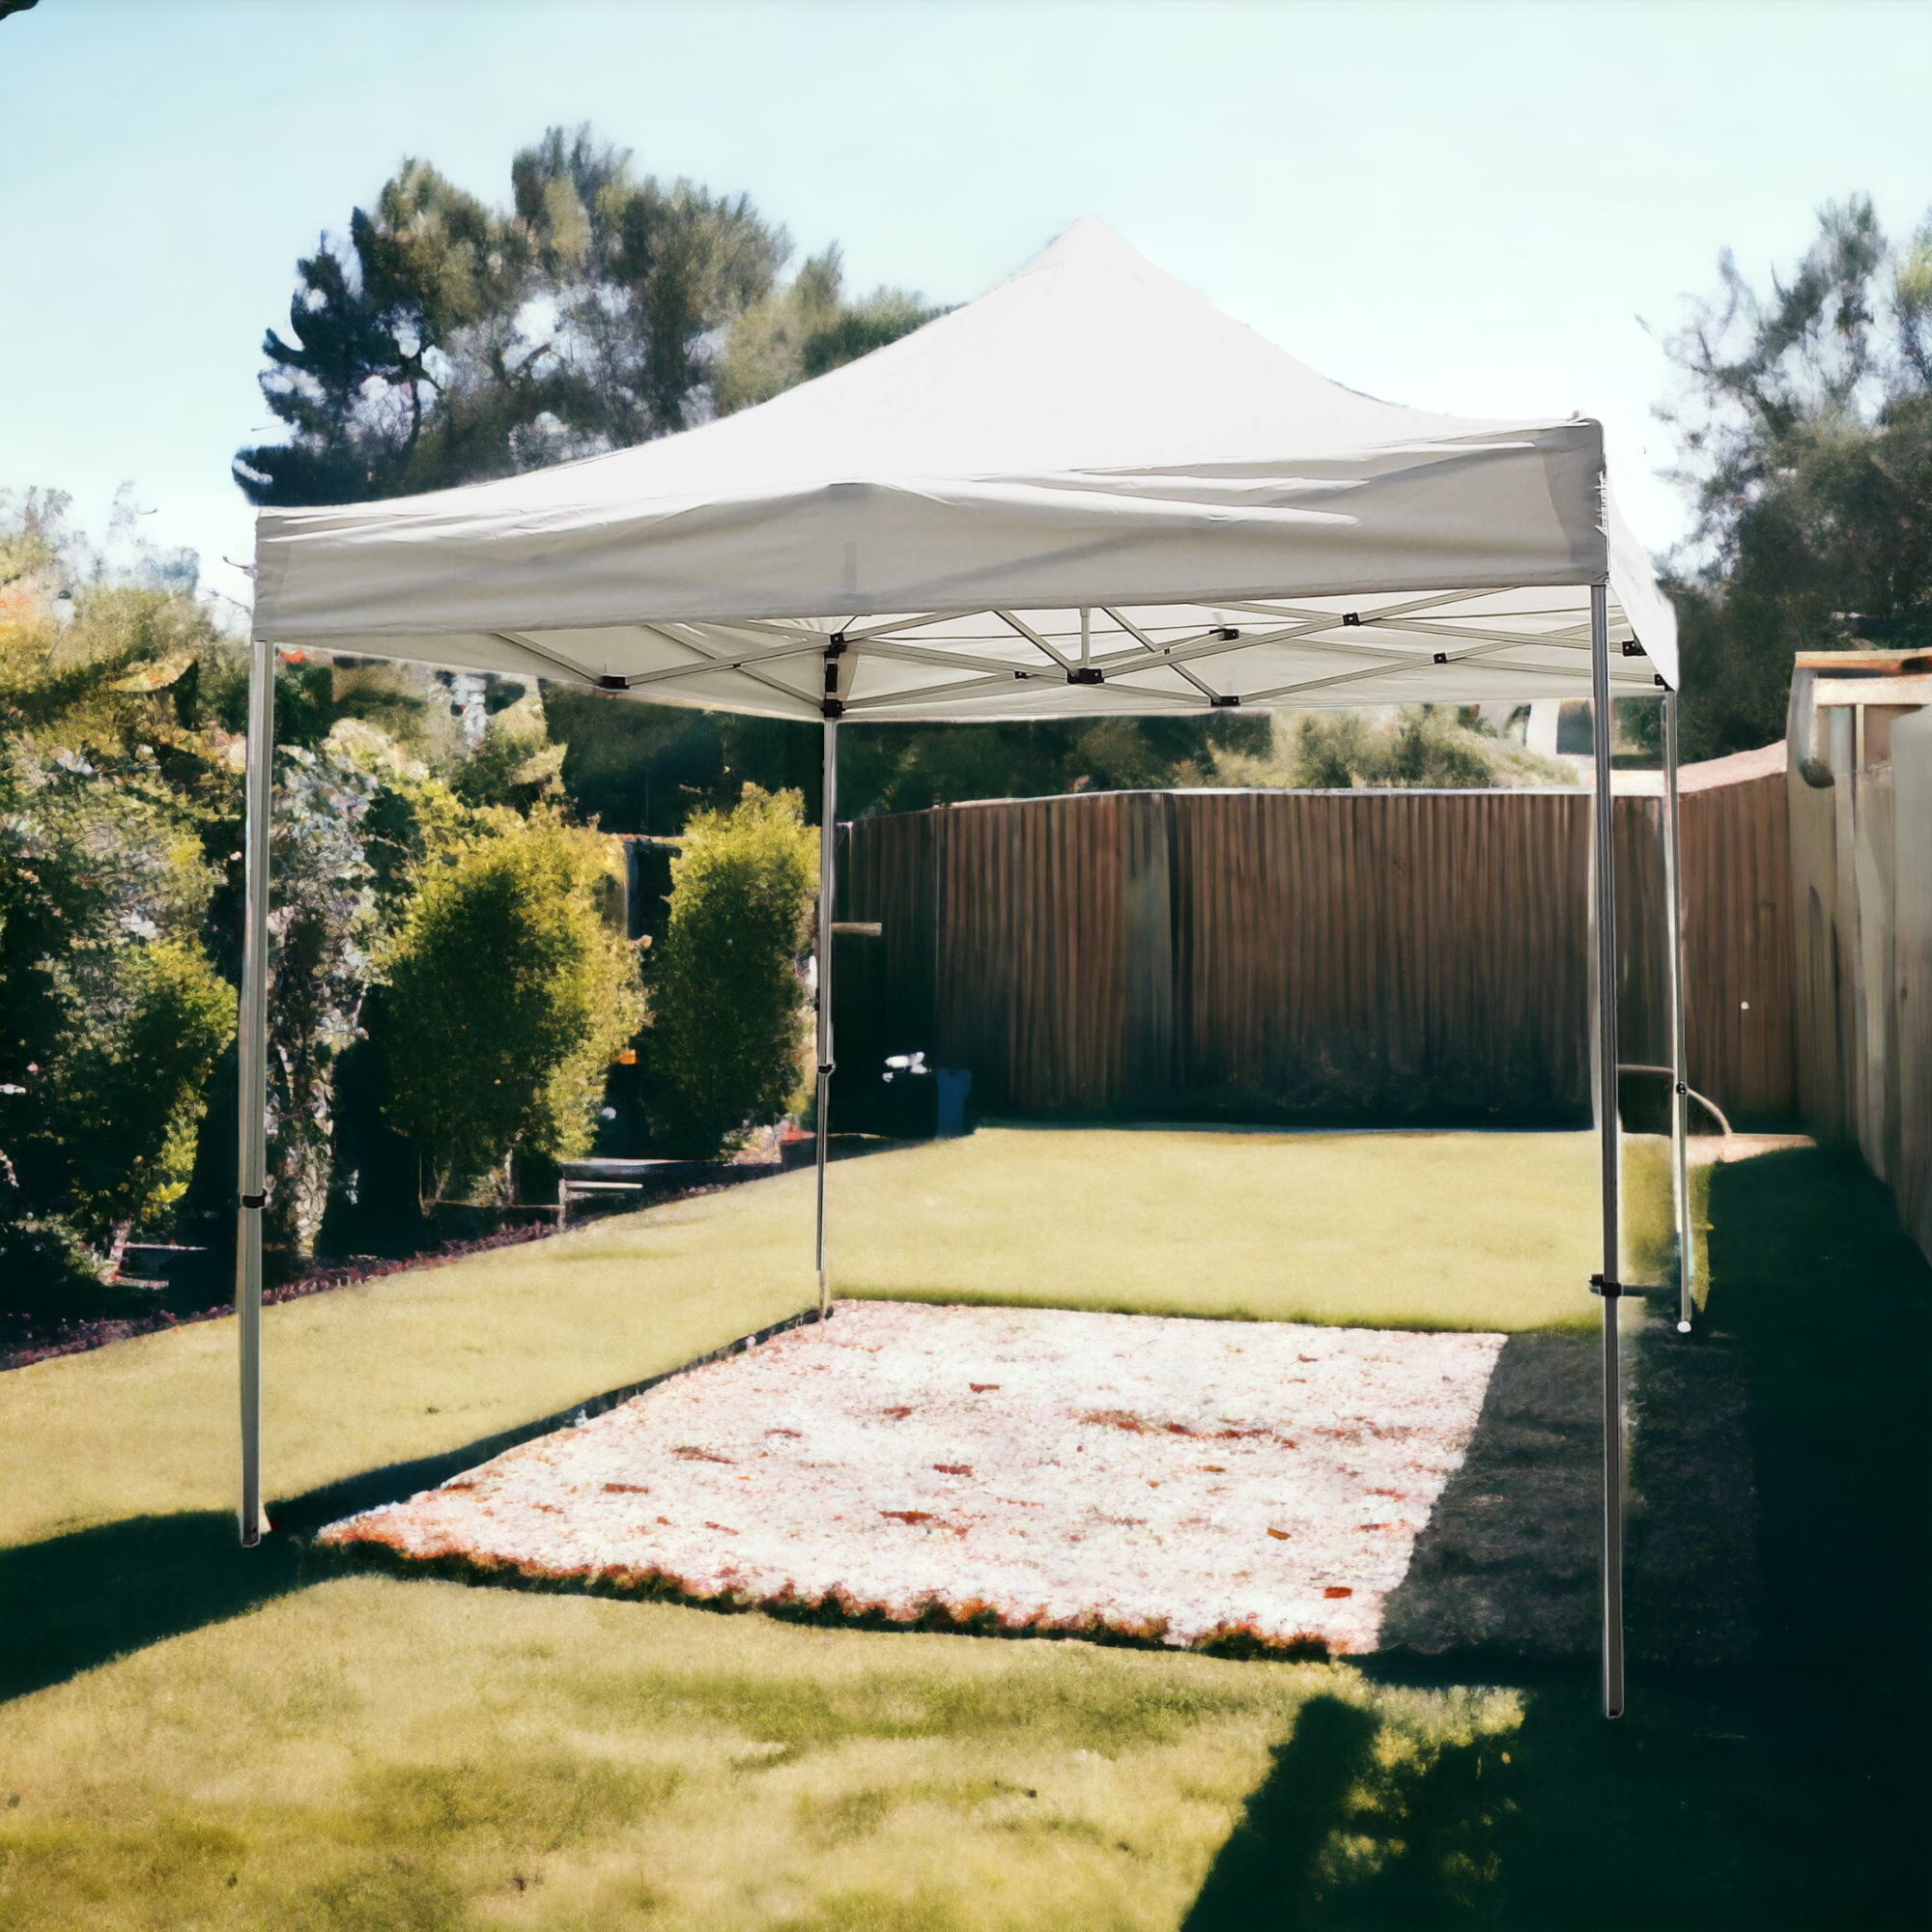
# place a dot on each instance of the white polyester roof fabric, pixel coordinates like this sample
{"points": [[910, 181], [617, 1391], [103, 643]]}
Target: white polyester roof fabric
{"points": [[1090, 490]]}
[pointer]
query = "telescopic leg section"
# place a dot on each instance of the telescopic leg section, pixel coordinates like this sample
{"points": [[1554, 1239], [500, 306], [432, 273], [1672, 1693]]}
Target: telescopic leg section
{"points": [[1680, 1061], [827, 855], [1607, 1284], [252, 1057]]}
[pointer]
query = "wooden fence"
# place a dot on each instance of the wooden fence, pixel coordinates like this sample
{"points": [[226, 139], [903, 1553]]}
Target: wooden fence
{"points": [[1375, 956], [1860, 812], [1739, 946]]}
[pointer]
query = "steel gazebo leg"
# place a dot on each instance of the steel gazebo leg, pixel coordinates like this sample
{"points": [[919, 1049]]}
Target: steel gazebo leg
{"points": [[828, 853], [1607, 1284], [252, 1059], [1680, 1062]]}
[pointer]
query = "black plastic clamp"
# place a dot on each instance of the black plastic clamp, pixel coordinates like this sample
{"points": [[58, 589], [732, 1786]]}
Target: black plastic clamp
{"points": [[1613, 1291], [1225, 703], [610, 681], [1350, 618], [1226, 633], [1632, 650], [1085, 674], [832, 708], [1656, 678], [254, 1200], [1442, 657]]}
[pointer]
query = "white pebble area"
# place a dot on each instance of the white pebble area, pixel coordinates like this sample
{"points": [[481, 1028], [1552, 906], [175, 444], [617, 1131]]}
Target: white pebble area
{"points": [[1189, 1481]]}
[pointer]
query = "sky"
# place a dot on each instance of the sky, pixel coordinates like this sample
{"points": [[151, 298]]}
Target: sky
{"points": [[1493, 209]]}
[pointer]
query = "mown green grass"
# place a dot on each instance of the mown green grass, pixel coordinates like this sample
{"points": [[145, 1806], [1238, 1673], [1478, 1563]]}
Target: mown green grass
{"points": [[285, 1745], [421, 1757], [1470, 1230], [399, 1368], [1438, 1230]]}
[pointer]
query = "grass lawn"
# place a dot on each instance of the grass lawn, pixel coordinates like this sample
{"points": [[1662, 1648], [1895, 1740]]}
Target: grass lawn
{"points": [[1424, 1229], [373, 1753], [198, 1735], [1462, 1231]]}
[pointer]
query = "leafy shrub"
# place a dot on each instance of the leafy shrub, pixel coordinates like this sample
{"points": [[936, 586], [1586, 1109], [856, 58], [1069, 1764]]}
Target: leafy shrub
{"points": [[111, 1015], [49, 1271], [1438, 747], [128, 1093], [508, 995], [516, 764], [726, 999], [320, 926]]}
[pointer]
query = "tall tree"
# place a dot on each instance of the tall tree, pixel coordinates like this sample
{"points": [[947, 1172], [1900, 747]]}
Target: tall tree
{"points": [[400, 351], [1806, 424], [808, 329], [443, 341]]}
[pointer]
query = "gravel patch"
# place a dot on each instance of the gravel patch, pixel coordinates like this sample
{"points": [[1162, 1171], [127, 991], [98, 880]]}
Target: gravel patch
{"points": [[1191, 1482]]}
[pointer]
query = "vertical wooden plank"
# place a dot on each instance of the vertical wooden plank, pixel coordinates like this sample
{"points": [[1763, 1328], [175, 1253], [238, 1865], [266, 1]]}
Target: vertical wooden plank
{"points": [[1912, 968], [1274, 955]]}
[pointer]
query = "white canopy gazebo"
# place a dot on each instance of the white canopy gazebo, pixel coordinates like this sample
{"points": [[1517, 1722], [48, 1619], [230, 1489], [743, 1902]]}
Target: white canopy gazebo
{"points": [[1088, 492]]}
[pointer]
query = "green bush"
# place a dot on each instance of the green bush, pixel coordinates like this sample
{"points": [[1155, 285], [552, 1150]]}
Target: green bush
{"points": [[128, 1094], [1428, 746], [726, 999], [112, 1015], [508, 995]]}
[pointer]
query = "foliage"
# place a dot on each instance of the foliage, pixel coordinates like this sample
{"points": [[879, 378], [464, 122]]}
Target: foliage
{"points": [[907, 767], [644, 767], [808, 329], [126, 1095], [727, 999], [647, 767], [1437, 747], [515, 765], [639, 767], [116, 819], [508, 994], [445, 340], [320, 923], [112, 1014], [409, 706], [1805, 425]]}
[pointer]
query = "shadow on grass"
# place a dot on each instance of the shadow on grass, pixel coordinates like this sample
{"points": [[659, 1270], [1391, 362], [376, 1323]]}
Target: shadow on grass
{"points": [[1269, 1872], [1507, 1565], [1507, 1562], [75, 1602], [78, 1601], [1772, 1771]]}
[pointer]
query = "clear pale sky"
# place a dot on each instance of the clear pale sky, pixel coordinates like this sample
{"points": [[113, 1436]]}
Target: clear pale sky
{"points": [[1461, 207]]}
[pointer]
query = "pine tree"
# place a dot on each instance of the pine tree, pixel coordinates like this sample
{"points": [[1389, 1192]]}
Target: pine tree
{"points": [[1807, 437], [443, 341]]}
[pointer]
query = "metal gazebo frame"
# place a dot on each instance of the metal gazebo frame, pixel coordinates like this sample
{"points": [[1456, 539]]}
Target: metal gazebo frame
{"points": [[837, 653]]}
